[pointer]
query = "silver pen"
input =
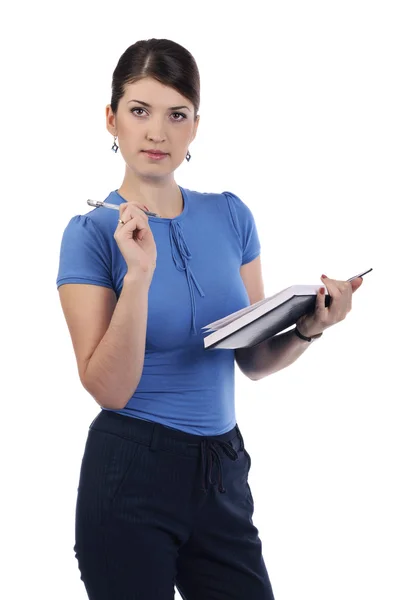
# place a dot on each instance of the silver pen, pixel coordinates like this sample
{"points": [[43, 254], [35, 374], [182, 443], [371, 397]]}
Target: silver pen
{"points": [[360, 275], [98, 203]]}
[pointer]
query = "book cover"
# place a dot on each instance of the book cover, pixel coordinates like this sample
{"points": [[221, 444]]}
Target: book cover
{"points": [[264, 319]]}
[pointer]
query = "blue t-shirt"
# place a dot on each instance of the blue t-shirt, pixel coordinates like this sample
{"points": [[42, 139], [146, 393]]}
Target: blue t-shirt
{"points": [[196, 281]]}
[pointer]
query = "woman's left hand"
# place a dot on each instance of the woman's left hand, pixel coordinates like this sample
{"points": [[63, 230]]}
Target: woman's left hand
{"points": [[340, 305]]}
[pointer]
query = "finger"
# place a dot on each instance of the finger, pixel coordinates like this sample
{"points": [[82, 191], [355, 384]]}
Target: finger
{"points": [[132, 209], [321, 312], [341, 294], [345, 289], [332, 288], [343, 286], [135, 227], [356, 283], [122, 208], [125, 205]]}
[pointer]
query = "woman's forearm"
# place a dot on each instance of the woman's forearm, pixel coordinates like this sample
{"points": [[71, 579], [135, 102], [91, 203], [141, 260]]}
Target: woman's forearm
{"points": [[115, 368], [270, 356]]}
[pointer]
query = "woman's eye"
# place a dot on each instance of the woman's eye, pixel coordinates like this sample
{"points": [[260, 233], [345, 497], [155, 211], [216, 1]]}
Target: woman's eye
{"points": [[134, 109], [182, 115]]}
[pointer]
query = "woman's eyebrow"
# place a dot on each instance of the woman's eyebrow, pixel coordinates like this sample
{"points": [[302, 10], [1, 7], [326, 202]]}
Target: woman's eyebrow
{"points": [[149, 106]]}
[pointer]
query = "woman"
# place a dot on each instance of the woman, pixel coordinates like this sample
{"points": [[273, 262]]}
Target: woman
{"points": [[163, 496]]}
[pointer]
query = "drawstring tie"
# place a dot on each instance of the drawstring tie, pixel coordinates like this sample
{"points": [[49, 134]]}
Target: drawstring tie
{"points": [[181, 262], [208, 451]]}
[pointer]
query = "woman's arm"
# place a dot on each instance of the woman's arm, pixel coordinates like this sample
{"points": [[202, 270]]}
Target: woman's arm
{"points": [[108, 337], [270, 356]]}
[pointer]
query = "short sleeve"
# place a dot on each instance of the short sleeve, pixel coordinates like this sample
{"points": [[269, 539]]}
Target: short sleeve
{"points": [[84, 255], [245, 227]]}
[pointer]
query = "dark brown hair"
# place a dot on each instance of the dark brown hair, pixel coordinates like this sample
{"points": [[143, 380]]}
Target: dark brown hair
{"points": [[163, 60]]}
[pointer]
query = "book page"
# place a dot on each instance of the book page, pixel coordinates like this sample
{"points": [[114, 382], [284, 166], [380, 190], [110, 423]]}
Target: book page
{"points": [[229, 318], [281, 296]]}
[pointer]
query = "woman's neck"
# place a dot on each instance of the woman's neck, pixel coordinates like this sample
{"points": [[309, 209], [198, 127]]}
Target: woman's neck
{"points": [[165, 200]]}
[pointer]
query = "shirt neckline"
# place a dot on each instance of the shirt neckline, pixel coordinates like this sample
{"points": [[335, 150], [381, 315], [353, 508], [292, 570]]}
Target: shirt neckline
{"points": [[179, 217]]}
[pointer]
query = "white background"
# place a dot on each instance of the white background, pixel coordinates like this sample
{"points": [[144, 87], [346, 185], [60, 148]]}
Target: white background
{"points": [[299, 118]]}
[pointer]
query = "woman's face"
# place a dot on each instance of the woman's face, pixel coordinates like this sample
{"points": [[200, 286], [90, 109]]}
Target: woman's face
{"points": [[151, 116]]}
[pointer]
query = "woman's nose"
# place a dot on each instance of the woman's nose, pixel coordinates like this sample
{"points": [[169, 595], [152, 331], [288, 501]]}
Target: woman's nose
{"points": [[156, 131]]}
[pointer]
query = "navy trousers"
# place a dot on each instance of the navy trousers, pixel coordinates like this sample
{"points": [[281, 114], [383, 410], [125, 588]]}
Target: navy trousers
{"points": [[158, 508]]}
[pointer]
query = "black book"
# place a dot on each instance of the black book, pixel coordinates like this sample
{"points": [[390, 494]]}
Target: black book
{"points": [[264, 319]]}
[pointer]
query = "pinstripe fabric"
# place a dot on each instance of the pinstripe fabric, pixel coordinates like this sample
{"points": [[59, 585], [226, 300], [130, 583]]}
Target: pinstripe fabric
{"points": [[151, 514]]}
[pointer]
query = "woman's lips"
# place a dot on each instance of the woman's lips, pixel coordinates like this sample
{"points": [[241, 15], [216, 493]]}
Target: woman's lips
{"points": [[155, 155]]}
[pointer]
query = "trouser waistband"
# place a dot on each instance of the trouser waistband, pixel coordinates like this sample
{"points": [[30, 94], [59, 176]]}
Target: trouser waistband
{"points": [[159, 436]]}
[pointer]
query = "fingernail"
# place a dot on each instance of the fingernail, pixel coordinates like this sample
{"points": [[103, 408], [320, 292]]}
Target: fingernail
{"points": [[324, 276], [322, 290]]}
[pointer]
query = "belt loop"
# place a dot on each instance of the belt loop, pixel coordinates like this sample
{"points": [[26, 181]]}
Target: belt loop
{"points": [[155, 436]]}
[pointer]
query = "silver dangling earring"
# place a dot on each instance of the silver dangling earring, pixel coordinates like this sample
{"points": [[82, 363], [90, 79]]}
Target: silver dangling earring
{"points": [[115, 147], [188, 156]]}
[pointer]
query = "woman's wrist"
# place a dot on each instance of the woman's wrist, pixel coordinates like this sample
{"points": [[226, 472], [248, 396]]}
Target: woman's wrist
{"points": [[304, 336]]}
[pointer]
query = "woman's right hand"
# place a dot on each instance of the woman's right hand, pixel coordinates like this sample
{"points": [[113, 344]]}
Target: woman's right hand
{"points": [[135, 239]]}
